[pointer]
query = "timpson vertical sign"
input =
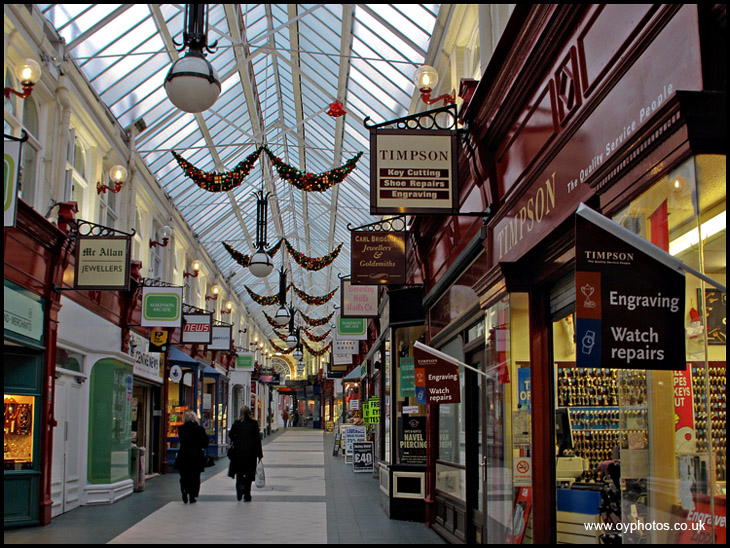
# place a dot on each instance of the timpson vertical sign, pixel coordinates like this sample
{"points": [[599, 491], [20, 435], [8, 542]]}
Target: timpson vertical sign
{"points": [[413, 172], [630, 299]]}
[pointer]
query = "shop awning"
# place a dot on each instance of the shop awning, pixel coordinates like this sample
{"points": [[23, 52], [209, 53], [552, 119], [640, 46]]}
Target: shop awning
{"points": [[208, 370], [178, 357], [352, 376]]}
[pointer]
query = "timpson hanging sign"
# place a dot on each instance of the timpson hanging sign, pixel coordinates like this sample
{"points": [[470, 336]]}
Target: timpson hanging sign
{"points": [[413, 172]]}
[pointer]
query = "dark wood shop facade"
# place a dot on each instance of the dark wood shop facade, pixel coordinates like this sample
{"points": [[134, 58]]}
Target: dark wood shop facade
{"points": [[620, 107]]}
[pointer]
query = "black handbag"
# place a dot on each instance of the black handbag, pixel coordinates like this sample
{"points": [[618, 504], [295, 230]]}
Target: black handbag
{"points": [[231, 452]]}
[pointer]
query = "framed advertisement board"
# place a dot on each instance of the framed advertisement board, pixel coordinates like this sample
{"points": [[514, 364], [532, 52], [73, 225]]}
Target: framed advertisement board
{"points": [[102, 262], [197, 328], [413, 172], [378, 258]]}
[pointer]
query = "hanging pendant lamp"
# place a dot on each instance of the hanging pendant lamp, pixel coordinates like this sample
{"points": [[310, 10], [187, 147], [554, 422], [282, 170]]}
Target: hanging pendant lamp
{"points": [[260, 264], [192, 84], [282, 315], [292, 339]]}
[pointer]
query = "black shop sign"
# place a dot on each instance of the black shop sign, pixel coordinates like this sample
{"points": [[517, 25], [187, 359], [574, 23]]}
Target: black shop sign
{"points": [[630, 299]]}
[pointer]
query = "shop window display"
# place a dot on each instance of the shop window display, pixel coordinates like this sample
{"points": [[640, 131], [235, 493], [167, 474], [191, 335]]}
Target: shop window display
{"points": [[410, 416], [18, 432], [451, 468], [648, 447], [684, 213]]}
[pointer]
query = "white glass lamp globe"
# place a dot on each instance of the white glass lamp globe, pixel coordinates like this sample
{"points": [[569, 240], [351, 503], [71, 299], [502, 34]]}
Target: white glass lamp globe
{"points": [[260, 264], [282, 316], [426, 77], [192, 84]]}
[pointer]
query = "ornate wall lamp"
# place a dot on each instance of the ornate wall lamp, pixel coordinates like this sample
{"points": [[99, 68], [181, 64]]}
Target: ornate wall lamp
{"points": [[215, 294], [118, 176], [426, 79], [165, 233], [28, 72], [229, 308], [195, 272]]}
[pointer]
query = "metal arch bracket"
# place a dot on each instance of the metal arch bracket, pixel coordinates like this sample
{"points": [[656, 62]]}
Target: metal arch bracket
{"points": [[393, 224], [443, 118]]}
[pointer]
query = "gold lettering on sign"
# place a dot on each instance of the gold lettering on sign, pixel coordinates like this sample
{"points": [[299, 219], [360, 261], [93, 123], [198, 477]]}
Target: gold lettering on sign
{"points": [[532, 213]]}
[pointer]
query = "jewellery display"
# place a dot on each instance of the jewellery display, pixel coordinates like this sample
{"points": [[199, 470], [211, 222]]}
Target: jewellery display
{"points": [[18, 432], [584, 386], [592, 396], [717, 413]]}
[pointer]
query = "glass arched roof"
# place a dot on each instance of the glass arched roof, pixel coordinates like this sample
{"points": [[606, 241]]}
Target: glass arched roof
{"points": [[281, 65]]}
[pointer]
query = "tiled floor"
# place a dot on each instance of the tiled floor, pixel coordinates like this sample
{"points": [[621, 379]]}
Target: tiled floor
{"points": [[310, 497]]}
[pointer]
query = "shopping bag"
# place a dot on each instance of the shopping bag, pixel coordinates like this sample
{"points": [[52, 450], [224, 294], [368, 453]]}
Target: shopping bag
{"points": [[260, 475]]}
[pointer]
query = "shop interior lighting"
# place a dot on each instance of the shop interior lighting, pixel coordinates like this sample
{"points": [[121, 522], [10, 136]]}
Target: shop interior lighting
{"points": [[692, 238], [28, 73], [164, 234], [426, 78]]}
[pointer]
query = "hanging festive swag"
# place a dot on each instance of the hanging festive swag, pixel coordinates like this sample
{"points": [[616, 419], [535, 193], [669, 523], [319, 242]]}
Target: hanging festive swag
{"points": [[316, 323], [279, 349], [219, 182], [310, 263], [316, 338], [313, 182], [266, 301], [309, 299], [271, 300], [308, 182], [317, 353], [244, 260]]}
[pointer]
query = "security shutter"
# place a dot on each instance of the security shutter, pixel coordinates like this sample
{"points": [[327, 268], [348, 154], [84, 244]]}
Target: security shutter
{"points": [[562, 296]]}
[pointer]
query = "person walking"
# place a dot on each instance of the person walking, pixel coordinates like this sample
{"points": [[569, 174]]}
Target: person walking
{"points": [[285, 417], [246, 441], [190, 459]]}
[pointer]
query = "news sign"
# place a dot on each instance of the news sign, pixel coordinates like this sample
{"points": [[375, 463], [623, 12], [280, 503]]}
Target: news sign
{"points": [[630, 299], [197, 328]]}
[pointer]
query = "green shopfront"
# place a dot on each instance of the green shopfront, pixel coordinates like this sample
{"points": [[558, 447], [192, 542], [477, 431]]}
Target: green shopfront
{"points": [[23, 378], [110, 430]]}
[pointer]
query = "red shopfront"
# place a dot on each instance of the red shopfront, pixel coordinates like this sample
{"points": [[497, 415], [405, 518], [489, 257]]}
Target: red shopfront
{"points": [[620, 107]]}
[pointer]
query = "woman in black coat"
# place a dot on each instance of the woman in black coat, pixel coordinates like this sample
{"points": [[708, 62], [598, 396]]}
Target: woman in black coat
{"points": [[191, 456], [246, 442]]}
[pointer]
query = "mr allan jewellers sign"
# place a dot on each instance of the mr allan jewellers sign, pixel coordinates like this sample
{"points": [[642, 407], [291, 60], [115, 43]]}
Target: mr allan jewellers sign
{"points": [[413, 172]]}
